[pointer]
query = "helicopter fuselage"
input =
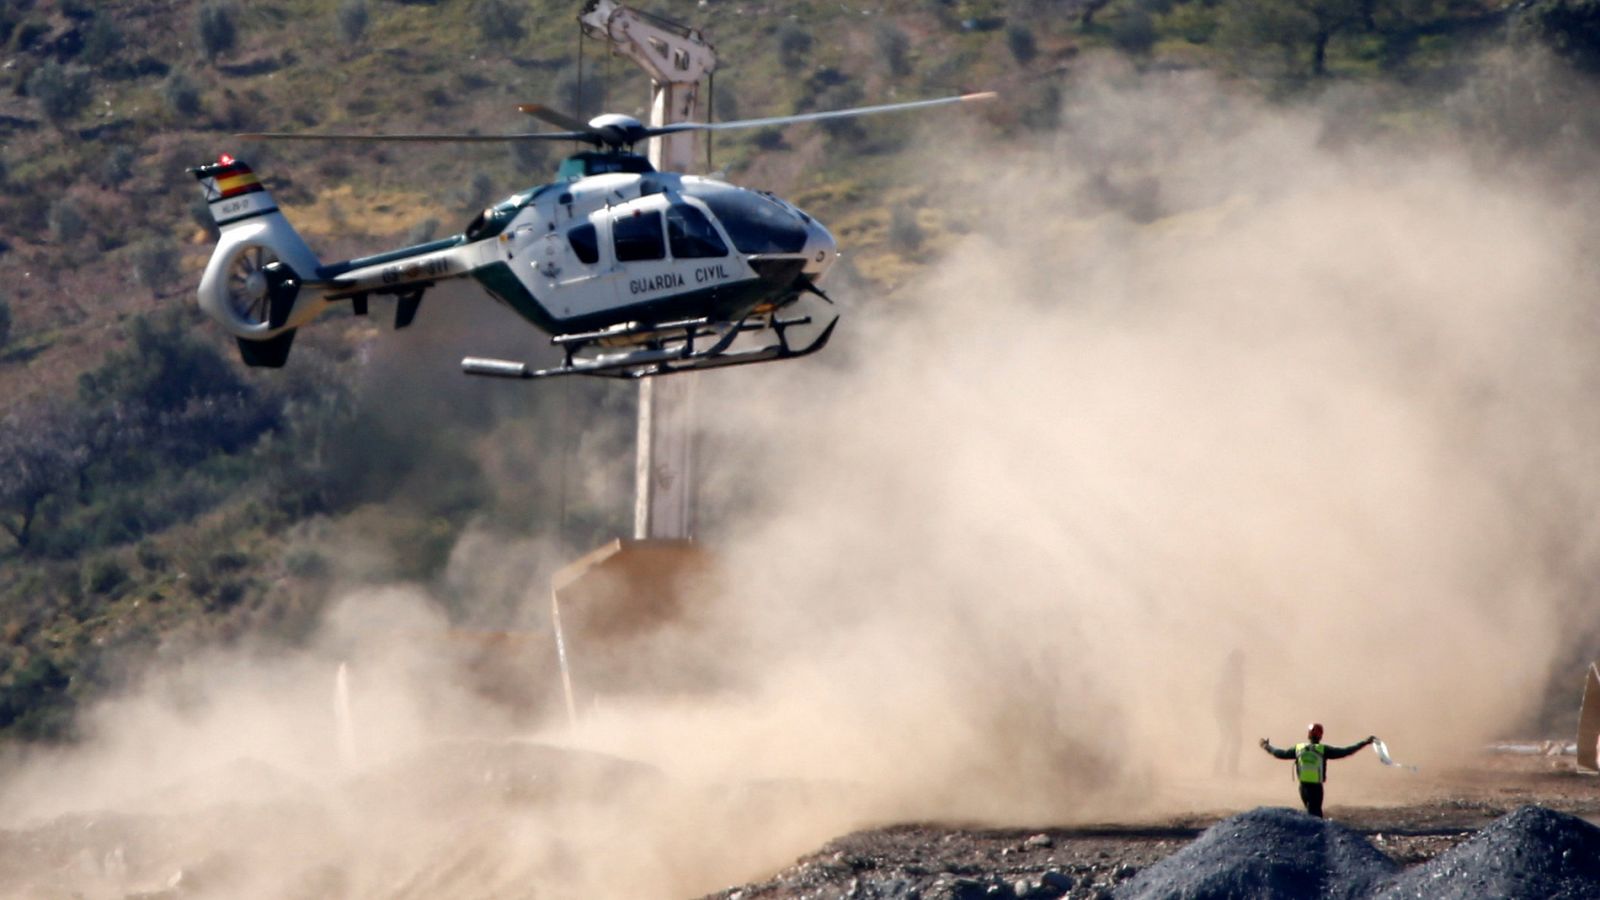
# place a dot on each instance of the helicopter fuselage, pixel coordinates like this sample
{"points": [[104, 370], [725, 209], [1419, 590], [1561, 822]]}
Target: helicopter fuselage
{"points": [[614, 248]]}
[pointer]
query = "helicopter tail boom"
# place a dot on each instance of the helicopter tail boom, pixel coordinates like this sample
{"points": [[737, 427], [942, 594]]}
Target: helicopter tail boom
{"points": [[254, 281]]}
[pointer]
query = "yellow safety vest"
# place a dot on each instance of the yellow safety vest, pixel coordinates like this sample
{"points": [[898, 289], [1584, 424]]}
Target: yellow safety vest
{"points": [[1309, 762]]}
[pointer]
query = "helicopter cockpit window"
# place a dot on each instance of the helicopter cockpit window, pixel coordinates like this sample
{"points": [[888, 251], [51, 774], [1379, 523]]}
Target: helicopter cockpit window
{"points": [[494, 220], [691, 234], [755, 223], [637, 236], [584, 245]]}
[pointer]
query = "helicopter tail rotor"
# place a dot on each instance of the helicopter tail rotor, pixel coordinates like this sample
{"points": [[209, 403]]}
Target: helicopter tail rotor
{"points": [[253, 285]]}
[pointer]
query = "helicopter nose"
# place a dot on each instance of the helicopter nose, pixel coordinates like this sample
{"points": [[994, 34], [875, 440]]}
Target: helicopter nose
{"points": [[820, 251]]}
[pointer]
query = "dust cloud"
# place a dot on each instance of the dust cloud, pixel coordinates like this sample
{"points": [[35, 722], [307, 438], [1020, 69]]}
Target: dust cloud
{"points": [[1205, 377], [1198, 378]]}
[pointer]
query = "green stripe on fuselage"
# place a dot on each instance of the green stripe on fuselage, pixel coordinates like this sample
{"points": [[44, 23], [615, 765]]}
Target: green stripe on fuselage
{"points": [[334, 270], [498, 279], [724, 302]]}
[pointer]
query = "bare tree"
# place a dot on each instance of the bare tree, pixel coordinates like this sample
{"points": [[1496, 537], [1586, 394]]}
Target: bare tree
{"points": [[1300, 29], [40, 455]]}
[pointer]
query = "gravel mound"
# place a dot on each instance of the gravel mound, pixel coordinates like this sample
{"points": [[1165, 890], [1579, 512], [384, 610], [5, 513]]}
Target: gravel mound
{"points": [[1531, 853], [1266, 852]]}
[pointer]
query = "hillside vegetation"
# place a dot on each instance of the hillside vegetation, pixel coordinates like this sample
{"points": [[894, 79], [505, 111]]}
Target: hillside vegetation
{"points": [[155, 495]]}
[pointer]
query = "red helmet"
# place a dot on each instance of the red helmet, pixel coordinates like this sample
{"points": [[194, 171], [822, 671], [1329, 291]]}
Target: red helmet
{"points": [[1314, 731]]}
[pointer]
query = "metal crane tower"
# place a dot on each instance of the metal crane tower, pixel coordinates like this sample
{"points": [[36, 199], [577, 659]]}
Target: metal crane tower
{"points": [[676, 58]]}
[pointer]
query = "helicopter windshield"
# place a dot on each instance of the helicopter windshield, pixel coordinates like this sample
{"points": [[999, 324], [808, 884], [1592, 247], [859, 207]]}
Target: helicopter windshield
{"points": [[494, 220], [755, 223], [691, 235]]}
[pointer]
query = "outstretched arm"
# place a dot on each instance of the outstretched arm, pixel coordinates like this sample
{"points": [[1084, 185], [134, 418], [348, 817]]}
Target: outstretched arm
{"points": [[1342, 752], [1286, 753]]}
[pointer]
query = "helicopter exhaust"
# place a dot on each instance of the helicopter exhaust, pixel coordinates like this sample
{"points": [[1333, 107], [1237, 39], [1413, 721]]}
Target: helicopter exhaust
{"points": [[253, 282]]}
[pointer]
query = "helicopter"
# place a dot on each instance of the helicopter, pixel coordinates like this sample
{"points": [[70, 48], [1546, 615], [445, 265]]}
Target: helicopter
{"points": [[632, 272]]}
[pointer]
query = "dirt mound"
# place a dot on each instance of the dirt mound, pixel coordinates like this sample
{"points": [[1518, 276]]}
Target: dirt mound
{"points": [[1267, 852], [1533, 852]]}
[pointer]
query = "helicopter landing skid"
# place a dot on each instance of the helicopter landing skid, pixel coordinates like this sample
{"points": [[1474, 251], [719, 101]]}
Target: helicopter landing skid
{"points": [[663, 356]]}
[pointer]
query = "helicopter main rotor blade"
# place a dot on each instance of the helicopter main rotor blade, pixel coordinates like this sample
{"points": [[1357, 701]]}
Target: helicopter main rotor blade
{"points": [[817, 116], [417, 138], [554, 116], [625, 131]]}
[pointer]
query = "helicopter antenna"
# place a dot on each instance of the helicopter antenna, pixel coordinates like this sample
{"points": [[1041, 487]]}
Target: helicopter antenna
{"points": [[711, 115]]}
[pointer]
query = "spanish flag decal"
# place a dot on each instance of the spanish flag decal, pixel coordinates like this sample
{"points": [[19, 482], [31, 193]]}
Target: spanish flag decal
{"points": [[235, 178], [233, 190]]}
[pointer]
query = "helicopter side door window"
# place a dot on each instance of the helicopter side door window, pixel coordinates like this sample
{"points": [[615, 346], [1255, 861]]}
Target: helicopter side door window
{"points": [[584, 244], [637, 237], [692, 235]]}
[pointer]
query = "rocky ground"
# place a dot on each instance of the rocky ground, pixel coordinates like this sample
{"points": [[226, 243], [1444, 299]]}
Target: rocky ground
{"points": [[469, 819], [940, 861]]}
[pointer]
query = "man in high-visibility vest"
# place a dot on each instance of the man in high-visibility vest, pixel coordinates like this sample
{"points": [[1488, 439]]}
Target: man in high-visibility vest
{"points": [[1311, 763]]}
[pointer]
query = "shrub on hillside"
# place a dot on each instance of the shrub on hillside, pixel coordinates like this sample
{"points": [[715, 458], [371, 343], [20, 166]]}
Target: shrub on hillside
{"points": [[725, 102], [181, 94], [794, 45], [161, 367], [151, 557], [30, 33], [905, 235], [145, 447], [578, 95], [116, 166], [500, 21], [32, 699], [217, 29], [155, 264], [768, 138], [103, 575], [830, 89], [894, 47], [305, 562], [1019, 40], [101, 42], [66, 221], [353, 20], [5, 323], [1134, 31], [61, 91]]}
